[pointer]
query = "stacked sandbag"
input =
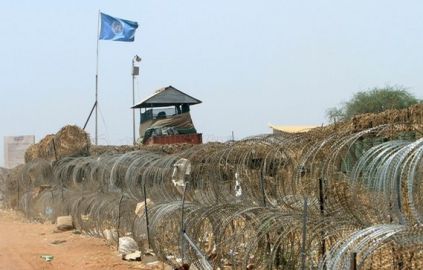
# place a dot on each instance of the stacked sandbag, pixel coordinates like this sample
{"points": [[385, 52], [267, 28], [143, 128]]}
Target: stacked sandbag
{"points": [[64, 223], [416, 114], [69, 141], [127, 245], [72, 141], [410, 115], [43, 149], [411, 118], [96, 150]]}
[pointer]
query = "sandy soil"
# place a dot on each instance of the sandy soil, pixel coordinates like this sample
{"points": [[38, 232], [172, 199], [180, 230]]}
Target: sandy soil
{"points": [[23, 243]]}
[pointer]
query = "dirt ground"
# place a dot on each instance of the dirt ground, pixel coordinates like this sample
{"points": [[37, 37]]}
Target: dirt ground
{"points": [[23, 243]]}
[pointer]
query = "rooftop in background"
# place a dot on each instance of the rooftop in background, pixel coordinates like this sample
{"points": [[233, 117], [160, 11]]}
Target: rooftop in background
{"points": [[290, 129], [167, 96]]}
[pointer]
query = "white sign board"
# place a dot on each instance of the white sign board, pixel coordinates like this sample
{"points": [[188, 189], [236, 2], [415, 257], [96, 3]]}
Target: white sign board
{"points": [[14, 149]]}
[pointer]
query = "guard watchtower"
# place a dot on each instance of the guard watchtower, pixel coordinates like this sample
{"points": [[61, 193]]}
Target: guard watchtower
{"points": [[165, 118]]}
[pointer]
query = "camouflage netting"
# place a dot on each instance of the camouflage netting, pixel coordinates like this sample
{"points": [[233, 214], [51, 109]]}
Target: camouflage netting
{"points": [[314, 200]]}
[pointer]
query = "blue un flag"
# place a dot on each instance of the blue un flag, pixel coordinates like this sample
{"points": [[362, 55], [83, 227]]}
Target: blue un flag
{"points": [[117, 29]]}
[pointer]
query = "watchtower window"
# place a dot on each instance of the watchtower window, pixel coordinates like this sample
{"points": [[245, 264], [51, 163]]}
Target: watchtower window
{"points": [[158, 113]]}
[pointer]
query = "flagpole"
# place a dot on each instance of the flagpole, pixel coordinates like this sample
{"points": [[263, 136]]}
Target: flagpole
{"points": [[96, 81]]}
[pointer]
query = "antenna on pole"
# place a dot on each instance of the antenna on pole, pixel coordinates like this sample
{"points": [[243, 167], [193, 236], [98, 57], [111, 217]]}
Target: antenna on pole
{"points": [[135, 72]]}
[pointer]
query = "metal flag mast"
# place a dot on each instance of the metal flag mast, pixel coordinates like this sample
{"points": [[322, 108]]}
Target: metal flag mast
{"points": [[95, 106], [96, 81]]}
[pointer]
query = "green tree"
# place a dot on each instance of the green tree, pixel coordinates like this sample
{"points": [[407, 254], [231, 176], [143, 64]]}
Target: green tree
{"points": [[335, 114], [373, 101]]}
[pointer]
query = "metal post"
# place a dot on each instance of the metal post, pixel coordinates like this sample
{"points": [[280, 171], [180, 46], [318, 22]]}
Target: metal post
{"points": [[118, 221], [133, 102], [135, 72], [89, 116], [96, 109], [322, 215], [203, 259], [353, 261], [263, 193], [17, 203], [146, 217], [303, 253], [183, 223], [96, 82]]}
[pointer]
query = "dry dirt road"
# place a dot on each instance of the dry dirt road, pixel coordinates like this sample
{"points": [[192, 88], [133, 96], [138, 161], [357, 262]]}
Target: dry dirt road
{"points": [[23, 243]]}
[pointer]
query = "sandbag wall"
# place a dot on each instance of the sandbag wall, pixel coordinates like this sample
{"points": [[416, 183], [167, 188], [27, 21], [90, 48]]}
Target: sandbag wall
{"points": [[314, 200]]}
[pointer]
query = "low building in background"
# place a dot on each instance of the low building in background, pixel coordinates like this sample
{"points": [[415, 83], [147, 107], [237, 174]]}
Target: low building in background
{"points": [[281, 129], [14, 149]]}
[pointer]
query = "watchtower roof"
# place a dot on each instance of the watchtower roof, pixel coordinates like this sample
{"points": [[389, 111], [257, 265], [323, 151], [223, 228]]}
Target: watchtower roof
{"points": [[167, 96]]}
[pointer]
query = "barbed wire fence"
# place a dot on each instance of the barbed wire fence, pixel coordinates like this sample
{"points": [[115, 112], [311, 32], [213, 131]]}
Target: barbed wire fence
{"points": [[315, 200]]}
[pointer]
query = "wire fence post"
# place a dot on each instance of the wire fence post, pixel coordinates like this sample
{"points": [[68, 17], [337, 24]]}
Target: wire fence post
{"points": [[303, 248], [146, 216], [183, 224], [17, 202], [118, 223], [263, 193], [263, 196], [353, 261], [322, 216]]}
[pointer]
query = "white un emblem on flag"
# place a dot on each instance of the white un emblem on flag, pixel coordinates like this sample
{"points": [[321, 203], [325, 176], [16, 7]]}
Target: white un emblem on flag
{"points": [[117, 27]]}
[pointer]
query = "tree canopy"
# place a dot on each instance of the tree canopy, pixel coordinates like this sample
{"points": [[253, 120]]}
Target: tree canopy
{"points": [[373, 101]]}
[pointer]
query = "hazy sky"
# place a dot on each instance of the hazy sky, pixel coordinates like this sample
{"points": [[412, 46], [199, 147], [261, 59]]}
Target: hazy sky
{"points": [[251, 62]]}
